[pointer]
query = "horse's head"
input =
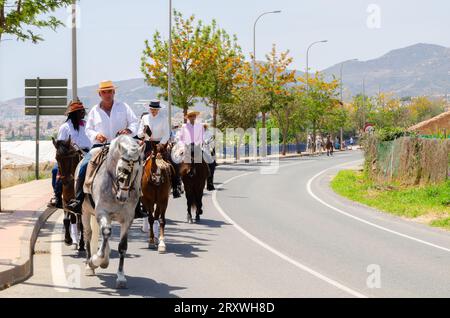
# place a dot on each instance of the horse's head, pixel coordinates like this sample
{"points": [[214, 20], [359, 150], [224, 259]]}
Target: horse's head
{"points": [[128, 165], [67, 156]]}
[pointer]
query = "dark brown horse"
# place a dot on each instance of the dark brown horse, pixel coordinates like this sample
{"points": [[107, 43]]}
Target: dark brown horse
{"points": [[68, 157], [156, 184], [194, 174]]}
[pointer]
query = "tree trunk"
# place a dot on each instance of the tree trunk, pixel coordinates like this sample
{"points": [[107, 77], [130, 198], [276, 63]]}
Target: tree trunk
{"points": [[263, 119], [314, 137], [215, 114]]}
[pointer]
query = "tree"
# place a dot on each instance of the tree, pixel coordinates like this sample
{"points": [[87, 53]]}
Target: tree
{"points": [[274, 78], [187, 54], [221, 67], [242, 110], [321, 105], [18, 16]]}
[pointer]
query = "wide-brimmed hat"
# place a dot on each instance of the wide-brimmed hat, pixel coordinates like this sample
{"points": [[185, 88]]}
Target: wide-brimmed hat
{"points": [[155, 104], [192, 113], [106, 86], [74, 106]]}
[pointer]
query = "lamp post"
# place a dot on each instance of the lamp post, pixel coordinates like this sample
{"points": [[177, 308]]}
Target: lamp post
{"points": [[74, 52], [342, 98], [254, 42], [169, 76], [307, 62]]}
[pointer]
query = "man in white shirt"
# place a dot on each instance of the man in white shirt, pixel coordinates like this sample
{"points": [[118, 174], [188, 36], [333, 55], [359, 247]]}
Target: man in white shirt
{"points": [[158, 124], [154, 127], [105, 122]]}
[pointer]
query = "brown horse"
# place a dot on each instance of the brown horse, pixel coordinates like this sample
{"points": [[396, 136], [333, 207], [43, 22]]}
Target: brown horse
{"points": [[194, 175], [156, 184], [68, 157]]}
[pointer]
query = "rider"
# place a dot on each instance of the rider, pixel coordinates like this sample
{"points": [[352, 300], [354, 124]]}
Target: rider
{"points": [[74, 127], [159, 134], [105, 121], [191, 133]]}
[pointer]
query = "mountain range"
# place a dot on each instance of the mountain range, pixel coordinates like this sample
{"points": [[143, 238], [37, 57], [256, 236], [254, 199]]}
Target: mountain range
{"points": [[420, 69]]}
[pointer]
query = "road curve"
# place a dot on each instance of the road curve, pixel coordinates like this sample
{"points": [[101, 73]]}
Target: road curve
{"points": [[263, 235]]}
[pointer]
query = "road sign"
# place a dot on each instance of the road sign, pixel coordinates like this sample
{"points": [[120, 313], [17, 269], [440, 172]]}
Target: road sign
{"points": [[46, 97]]}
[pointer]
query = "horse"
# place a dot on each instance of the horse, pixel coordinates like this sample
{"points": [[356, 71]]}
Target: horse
{"points": [[115, 191], [156, 184], [68, 156], [329, 146], [194, 174]]}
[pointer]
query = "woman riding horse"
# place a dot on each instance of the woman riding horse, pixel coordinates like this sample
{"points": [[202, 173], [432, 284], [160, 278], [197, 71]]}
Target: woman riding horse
{"points": [[70, 144]]}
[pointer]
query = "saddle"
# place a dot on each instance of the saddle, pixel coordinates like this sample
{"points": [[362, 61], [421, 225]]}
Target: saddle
{"points": [[93, 166]]}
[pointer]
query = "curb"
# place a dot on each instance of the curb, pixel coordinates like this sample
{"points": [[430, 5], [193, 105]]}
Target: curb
{"points": [[22, 268]]}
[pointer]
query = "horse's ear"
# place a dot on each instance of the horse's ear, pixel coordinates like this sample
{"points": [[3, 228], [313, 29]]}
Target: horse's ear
{"points": [[54, 141]]}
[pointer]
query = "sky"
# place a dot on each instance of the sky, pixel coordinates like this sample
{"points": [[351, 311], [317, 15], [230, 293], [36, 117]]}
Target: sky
{"points": [[111, 34]]}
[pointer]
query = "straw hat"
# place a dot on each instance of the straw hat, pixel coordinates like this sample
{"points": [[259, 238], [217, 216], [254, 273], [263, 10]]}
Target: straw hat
{"points": [[106, 86], [74, 106], [192, 113]]}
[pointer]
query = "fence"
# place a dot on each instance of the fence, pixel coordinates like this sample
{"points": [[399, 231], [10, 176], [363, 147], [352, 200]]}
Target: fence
{"points": [[410, 161]]}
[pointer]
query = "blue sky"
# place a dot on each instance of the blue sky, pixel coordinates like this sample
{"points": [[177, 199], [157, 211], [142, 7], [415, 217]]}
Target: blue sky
{"points": [[112, 33]]}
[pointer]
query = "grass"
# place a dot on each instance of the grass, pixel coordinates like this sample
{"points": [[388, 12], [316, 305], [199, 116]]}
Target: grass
{"points": [[430, 203], [12, 176]]}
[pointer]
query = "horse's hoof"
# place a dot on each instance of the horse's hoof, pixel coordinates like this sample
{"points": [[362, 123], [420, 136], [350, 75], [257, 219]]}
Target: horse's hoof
{"points": [[189, 219], [162, 248], [68, 241], [104, 265], [197, 219], [121, 283], [152, 246], [95, 261], [81, 248]]}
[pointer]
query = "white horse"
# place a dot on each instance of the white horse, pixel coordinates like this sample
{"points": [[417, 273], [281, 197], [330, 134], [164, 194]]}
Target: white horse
{"points": [[115, 193]]}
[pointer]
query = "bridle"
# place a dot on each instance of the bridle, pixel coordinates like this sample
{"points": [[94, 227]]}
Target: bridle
{"points": [[73, 153], [129, 185]]}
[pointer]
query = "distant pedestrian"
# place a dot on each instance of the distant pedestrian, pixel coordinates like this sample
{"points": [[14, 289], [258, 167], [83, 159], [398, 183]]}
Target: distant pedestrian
{"points": [[351, 143]]}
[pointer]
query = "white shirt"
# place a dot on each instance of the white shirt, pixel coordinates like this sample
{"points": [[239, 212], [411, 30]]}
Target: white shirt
{"points": [[121, 117], [159, 125], [78, 137]]}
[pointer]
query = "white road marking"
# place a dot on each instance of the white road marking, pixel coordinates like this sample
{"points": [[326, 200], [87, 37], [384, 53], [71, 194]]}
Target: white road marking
{"points": [[56, 259], [273, 250], [308, 187]]}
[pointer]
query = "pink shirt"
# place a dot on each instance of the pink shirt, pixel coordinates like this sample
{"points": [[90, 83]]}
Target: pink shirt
{"points": [[192, 134]]}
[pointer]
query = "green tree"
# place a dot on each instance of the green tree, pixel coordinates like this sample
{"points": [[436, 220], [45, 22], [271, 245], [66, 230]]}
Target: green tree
{"points": [[221, 67], [187, 54], [18, 17]]}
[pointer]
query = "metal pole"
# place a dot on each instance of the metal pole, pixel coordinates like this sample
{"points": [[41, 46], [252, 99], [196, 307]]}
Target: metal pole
{"points": [[1, 168], [254, 42], [74, 51], [307, 62], [169, 76], [37, 128]]}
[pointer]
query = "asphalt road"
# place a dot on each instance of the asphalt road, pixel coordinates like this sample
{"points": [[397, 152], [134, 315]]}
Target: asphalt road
{"points": [[278, 234]]}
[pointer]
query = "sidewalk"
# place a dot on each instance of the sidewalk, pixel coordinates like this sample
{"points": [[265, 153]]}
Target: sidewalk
{"points": [[24, 211]]}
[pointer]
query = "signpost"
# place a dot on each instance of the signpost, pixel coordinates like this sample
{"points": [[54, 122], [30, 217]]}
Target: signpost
{"points": [[44, 97]]}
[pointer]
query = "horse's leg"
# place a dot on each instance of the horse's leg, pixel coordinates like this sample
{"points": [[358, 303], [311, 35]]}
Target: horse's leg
{"points": [[189, 198], [86, 219], [101, 258], [162, 224], [121, 281], [81, 247], [74, 229], [67, 237], [151, 221]]}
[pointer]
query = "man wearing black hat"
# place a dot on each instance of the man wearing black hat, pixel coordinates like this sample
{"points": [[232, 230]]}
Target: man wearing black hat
{"points": [[155, 127]]}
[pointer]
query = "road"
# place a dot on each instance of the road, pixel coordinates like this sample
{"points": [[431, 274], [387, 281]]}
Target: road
{"points": [[263, 235]]}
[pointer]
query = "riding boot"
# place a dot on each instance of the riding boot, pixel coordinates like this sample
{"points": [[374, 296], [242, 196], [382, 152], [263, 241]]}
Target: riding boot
{"points": [[75, 204], [139, 212]]}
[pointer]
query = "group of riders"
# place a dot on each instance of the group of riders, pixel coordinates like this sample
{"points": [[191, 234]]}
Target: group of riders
{"points": [[111, 118]]}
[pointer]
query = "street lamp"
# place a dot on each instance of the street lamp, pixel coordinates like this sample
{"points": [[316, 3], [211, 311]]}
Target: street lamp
{"points": [[254, 42], [342, 98], [169, 76], [74, 51], [307, 62]]}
